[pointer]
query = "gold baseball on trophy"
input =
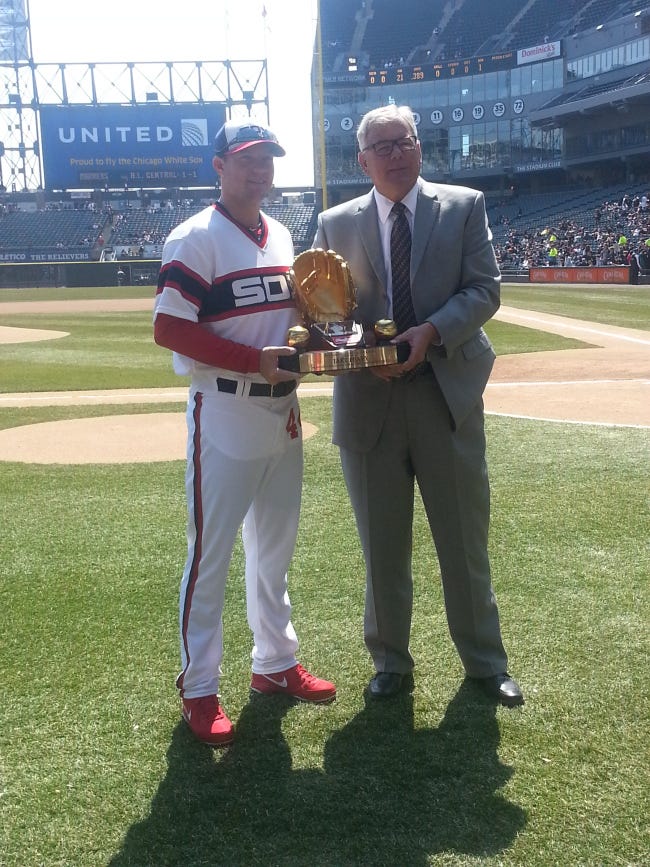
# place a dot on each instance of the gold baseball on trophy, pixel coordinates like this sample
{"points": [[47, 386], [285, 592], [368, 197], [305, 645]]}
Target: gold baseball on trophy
{"points": [[297, 336], [385, 329]]}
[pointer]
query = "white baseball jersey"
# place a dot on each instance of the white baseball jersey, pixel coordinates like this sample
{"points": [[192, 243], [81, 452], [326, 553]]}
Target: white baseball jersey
{"points": [[216, 273]]}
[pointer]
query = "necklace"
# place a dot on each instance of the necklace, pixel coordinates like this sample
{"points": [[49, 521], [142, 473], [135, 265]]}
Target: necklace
{"points": [[257, 230]]}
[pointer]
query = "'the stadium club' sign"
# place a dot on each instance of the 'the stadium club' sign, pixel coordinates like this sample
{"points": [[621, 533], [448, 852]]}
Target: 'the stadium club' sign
{"points": [[137, 146]]}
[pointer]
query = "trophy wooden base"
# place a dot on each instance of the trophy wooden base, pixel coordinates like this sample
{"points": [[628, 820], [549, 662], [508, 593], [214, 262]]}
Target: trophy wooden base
{"points": [[341, 360]]}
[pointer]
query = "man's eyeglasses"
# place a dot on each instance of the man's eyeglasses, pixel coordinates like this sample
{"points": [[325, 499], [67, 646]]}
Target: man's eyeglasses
{"points": [[385, 148]]}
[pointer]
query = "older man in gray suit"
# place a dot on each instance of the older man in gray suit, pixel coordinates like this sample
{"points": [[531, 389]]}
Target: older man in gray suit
{"points": [[429, 264]]}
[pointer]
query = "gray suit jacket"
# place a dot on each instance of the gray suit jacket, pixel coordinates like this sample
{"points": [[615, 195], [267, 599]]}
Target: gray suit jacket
{"points": [[455, 283]]}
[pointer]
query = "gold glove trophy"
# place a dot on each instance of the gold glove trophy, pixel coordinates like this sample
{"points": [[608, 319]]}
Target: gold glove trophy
{"points": [[330, 340]]}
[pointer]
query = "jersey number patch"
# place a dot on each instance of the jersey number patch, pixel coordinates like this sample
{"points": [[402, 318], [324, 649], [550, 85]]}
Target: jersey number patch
{"points": [[293, 425]]}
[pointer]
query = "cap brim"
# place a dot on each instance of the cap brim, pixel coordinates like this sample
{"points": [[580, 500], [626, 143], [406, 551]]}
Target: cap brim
{"points": [[276, 150]]}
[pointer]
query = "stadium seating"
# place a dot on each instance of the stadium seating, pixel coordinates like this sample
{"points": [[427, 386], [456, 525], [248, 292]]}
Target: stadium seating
{"points": [[536, 211], [394, 30], [600, 11], [594, 89], [134, 230], [337, 29], [589, 221], [550, 20], [459, 40], [300, 220], [58, 229]]}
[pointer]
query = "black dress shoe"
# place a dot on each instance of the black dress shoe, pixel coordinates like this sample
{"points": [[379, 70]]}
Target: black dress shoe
{"points": [[502, 688], [386, 684]]}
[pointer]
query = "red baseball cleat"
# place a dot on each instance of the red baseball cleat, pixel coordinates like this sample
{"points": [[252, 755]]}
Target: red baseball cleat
{"points": [[296, 682], [207, 720]]}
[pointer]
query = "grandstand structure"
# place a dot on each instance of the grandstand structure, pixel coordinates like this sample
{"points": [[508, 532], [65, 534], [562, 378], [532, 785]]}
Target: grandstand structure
{"points": [[532, 94], [542, 104]]}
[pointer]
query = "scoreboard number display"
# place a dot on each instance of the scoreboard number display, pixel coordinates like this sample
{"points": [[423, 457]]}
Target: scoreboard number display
{"points": [[441, 69]]}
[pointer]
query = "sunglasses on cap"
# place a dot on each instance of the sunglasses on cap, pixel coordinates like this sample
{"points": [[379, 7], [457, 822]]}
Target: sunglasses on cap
{"points": [[236, 139]]}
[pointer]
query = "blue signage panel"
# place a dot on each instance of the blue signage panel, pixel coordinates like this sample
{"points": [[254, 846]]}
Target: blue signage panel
{"points": [[87, 147]]}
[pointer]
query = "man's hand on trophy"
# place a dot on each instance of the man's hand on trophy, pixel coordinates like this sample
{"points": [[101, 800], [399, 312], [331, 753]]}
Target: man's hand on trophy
{"points": [[419, 339], [323, 286]]}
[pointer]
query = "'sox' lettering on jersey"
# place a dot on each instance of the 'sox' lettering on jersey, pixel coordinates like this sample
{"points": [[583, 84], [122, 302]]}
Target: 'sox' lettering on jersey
{"points": [[257, 289]]}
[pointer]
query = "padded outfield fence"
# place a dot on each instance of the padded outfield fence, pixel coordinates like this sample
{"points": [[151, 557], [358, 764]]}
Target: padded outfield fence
{"points": [[39, 275]]}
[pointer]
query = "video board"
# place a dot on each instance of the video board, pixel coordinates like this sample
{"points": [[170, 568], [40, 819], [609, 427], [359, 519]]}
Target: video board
{"points": [[88, 147]]}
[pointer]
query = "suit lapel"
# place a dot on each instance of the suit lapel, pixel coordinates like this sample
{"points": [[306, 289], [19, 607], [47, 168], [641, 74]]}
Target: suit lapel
{"points": [[427, 210], [367, 221]]}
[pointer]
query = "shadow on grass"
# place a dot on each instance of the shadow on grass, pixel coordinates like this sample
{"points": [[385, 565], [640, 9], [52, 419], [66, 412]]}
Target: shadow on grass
{"points": [[387, 794]]}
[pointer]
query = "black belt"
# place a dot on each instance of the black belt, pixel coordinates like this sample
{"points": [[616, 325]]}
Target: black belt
{"points": [[421, 369], [258, 389]]}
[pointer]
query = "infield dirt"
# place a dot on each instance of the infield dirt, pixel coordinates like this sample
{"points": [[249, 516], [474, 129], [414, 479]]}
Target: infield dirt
{"points": [[608, 384]]}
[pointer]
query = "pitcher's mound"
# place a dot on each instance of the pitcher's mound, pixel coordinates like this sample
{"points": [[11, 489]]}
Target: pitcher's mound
{"points": [[28, 335], [114, 439]]}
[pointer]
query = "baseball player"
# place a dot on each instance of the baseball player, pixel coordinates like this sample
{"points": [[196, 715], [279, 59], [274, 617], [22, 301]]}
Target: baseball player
{"points": [[223, 306]]}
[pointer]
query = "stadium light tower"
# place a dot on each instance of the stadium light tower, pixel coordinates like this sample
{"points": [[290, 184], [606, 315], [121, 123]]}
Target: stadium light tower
{"points": [[19, 163], [178, 101], [321, 162], [15, 42]]}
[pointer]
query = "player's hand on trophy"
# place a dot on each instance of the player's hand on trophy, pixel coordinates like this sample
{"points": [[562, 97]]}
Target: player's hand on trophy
{"points": [[269, 368]]}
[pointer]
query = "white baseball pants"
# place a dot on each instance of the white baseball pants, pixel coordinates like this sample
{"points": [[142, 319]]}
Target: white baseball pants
{"points": [[244, 465]]}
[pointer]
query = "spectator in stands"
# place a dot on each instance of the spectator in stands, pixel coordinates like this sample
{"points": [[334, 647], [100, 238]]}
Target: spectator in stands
{"points": [[586, 245], [422, 419]]}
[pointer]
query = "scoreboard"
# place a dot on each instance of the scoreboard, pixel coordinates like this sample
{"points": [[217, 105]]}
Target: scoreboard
{"points": [[441, 69]]}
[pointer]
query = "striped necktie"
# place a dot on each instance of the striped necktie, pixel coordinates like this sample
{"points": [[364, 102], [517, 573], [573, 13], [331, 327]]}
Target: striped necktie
{"points": [[400, 260]]}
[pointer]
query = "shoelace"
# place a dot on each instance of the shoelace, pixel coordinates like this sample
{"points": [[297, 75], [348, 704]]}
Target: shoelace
{"points": [[306, 678], [208, 710]]}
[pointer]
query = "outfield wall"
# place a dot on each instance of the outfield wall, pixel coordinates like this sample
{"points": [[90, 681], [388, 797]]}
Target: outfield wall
{"points": [[137, 272], [144, 272], [614, 274]]}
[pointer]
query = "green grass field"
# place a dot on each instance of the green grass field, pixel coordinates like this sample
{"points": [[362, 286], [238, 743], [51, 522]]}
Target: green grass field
{"points": [[115, 350], [96, 767]]}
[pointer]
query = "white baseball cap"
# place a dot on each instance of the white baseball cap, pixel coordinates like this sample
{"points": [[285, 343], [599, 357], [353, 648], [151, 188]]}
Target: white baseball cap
{"points": [[236, 135]]}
